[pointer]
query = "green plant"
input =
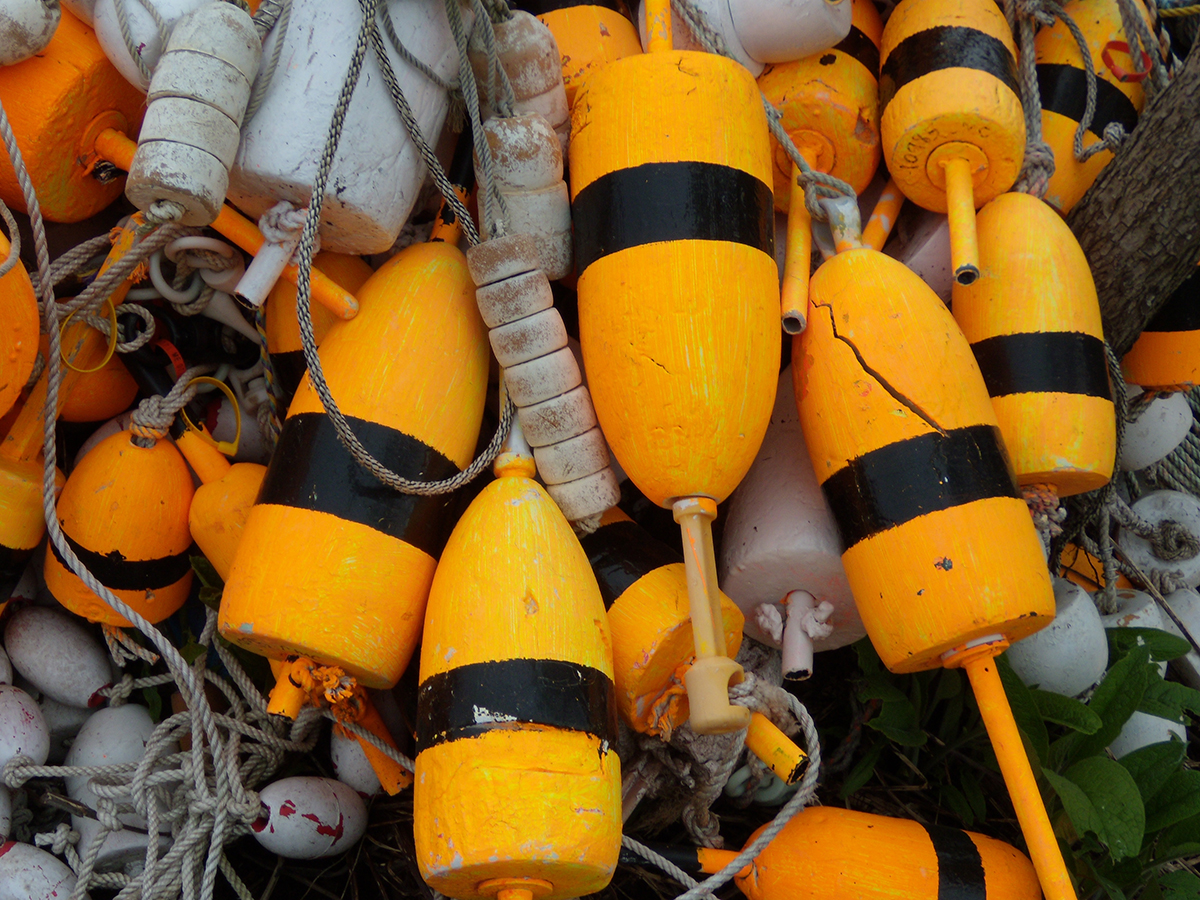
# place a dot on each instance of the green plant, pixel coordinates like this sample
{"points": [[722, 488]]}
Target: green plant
{"points": [[1124, 826]]}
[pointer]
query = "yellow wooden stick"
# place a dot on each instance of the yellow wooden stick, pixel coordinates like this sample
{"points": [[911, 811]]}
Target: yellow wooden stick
{"points": [[658, 25], [794, 292], [960, 206], [765, 740], [883, 216]]}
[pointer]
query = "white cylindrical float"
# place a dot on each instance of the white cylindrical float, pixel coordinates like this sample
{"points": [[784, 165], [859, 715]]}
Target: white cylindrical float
{"points": [[1137, 609], [27, 873], [1158, 429], [59, 655], [377, 170], [1158, 507], [1185, 604], [26, 27], [143, 30], [780, 538], [1069, 655], [309, 818]]}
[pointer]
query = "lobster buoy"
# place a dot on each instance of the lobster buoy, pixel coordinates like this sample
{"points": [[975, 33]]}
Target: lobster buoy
{"points": [[101, 394], [542, 375], [589, 36], [531, 681], [950, 115], [377, 175], [217, 515], [144, 31], [58, 655], [1177, 516], [780, 538], [309, 818], [1166, 356], [1070, 655], [193, 122], [940, 551], [409, 372], [19, 336], [58, 103], [530, 58], [674, 241], [1062, 86], [1033, 320], [825, 853], [124, 512], [26, 28], [528, 164], [1161, 426], [283, 329], [28, 873], [830, 106]]}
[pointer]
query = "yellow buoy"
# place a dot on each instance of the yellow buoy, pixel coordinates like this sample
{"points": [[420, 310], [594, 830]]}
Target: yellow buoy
{"points": [[951, 119], [19, 335], [334, 565], [830, 106], [58, 102], [940, 551], [1033, 321], [825, 853], [518, 786], [1062, 85], [1166, 356], [679, 296], [124, 512]]}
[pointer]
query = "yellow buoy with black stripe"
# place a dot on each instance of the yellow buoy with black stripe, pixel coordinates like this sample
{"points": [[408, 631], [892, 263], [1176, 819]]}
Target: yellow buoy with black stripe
{"points": [[19, 336], [1166, 356], [282, 327], [589, 34], [825, 853], [517, 792], [940, 551], [953, 129], [1062, 85], [333, 564], [124, 512], [830, 106], [1033, 321], [679, 296]]}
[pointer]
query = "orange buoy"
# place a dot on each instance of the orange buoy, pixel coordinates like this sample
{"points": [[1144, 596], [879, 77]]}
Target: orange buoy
{"points": [[679, 297], [1033, 320], [124, 512], [19, 336], [1062, 85], [1166, 356], [940, 551], [518, 786], [283, 329], [825, 853], [334, 565], [1081, 568], [58, 102], [951, 119]]}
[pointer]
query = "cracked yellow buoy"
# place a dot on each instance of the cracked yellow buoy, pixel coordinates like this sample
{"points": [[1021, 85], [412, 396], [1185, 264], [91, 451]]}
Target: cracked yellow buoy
{"points": [[951, 119], [333, 564], [518, 787], [1033, 321], [679, 297]]}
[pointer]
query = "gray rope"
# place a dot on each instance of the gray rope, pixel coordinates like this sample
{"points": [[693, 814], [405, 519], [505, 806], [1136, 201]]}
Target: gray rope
{"points": [[389, 28], [14, 240], [71, 261], [272, 14], [131, 45], [660, 861], [374, 740], [1139, 37], [1038, 166]]}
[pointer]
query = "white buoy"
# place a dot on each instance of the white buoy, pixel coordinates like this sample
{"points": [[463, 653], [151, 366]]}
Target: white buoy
{"points": [[142, 29], [351, 766], [1069, 655], [59, 655], [22, 729], [1142, 730], [309, 818], [1157, 507], [780, 540], [1159, 429], [1185, 604], [26, 28], [1137, 609], [27, 873]]}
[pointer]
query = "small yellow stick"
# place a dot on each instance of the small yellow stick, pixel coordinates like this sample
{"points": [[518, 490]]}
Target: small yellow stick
{"points": [[709, 677], [794, 293], [960, 207], [1047, 859], [776, 749], [883, 216], [658, 25]]}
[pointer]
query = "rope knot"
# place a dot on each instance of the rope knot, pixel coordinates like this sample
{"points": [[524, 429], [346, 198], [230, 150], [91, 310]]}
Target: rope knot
{"points": [[163, 212], [58, 840], [19, 770], [283, 224], [1171, 541], [120, 692]]}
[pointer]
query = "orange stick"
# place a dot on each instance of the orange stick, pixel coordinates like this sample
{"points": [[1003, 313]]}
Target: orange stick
{"points": [[883, 216]]}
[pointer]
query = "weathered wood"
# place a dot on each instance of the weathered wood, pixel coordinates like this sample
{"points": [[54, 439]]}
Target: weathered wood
{"points": [[1139, 224]]}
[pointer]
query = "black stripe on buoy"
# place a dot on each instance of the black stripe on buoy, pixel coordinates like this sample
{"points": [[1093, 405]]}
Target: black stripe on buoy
{"points": [[679, 201], [960, 867], [862, 48], [289, 370], [944, 47], [902, 481], [621, 553], [1045, 362], [12, 561], [472, 700], [310, 469], [1182, 311], [120, 574], [1063, 90]]}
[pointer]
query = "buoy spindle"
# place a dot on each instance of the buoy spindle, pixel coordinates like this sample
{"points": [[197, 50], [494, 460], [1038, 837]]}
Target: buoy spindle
{"points": [[658, 26], [794, 292], [883, 217], [960, 209], [980, 663], [711, 674]]}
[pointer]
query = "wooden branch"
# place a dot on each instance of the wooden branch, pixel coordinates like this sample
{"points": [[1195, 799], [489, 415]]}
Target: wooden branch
{"points": [[1139, 224]]}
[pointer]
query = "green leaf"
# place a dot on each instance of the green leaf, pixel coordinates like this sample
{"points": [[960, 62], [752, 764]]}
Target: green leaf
{"points": [[974, 792], [191, 651], [952, 797], [154, 703], [1179, 885], [897, 721], [205, 573], [1024, 710], [1163, 646], [1182, 834], [1178, 799], [1066, 711], [862, 771], [1151, 766], [1169, 699], [211, 597], [1115, 700], [1078, 806], [1114, 797], [950, 685], [878, 686]]}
